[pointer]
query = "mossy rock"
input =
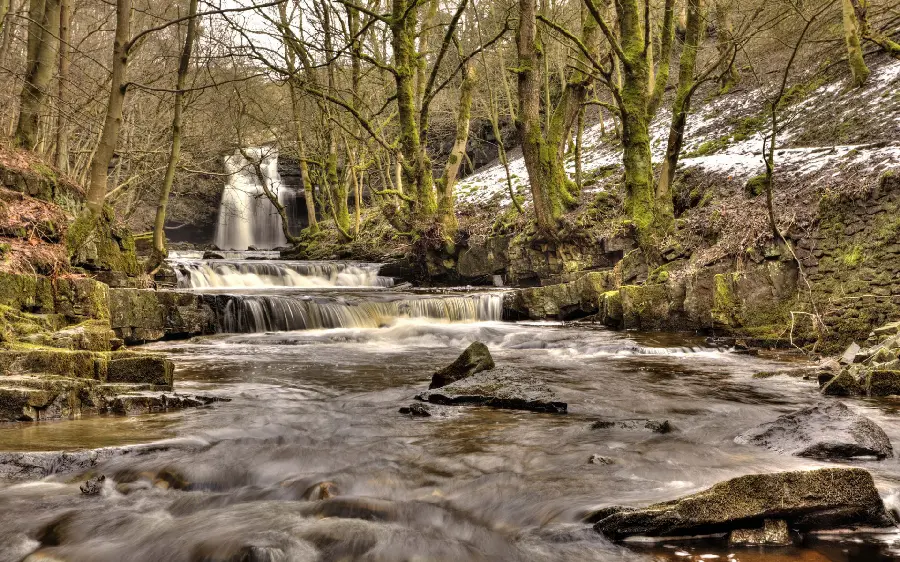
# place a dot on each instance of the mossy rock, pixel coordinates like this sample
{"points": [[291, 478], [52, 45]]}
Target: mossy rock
{"points": [[33, 293], [140, 368], [97, 243], [883, 382], [60, 362], [845, 384]]}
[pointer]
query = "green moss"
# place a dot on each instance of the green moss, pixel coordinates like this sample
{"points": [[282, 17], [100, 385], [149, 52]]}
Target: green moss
{"points": [[756, 185], [853, 257]]}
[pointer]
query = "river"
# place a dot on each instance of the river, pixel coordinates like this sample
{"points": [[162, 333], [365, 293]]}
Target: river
{"points": [[318, 360]]}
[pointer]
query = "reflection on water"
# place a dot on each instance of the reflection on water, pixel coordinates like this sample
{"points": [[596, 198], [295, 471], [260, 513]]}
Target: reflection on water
{"points": [[311, 461]]}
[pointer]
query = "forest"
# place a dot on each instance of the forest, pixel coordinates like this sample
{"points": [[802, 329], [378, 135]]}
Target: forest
{"points": [[516, 280]]}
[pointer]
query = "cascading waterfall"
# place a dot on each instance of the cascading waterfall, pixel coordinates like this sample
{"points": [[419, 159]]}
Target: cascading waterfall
{"points": [[246, 216], [225, 274], [277, 313]]}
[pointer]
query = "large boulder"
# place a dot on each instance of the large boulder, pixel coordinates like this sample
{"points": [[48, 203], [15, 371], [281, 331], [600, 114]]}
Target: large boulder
{"points": [[473, 360], [825, 431], [827, 498], [499, 388]]}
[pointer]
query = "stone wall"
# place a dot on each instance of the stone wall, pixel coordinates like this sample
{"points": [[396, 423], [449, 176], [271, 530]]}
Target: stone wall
{"points": [[143, 315]]}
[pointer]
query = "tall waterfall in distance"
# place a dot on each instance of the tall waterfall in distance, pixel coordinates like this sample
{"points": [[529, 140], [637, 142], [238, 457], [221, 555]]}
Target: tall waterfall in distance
{"points": [[246, 216]]}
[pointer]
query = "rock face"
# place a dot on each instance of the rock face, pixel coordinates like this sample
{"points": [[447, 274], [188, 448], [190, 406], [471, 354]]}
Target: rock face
{"points": [[142, 315], [474, 359], [806, 500], [825, 431], [500, 388], [564, 301]]}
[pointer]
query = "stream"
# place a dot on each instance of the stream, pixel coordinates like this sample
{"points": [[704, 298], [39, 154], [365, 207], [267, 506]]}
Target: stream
{"points": [[317, 358]]}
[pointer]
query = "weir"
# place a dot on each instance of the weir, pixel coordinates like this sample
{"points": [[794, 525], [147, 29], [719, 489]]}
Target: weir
{"points": [[279, 313], [229, 274]]}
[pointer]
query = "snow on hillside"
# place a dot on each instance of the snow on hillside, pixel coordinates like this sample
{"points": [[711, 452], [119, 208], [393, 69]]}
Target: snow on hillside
{"points": [[725, 136]]}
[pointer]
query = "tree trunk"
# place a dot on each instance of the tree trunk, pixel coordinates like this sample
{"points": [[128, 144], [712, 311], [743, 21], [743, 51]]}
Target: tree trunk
{"points": [[308, 190], [339, 189], [858, 70], [106, 148], [682, 104], [159, 232], [4, 9], [44, 21], [725, 43], [62, 125], [861, 7], [458, 152], [651, 217], [667, 37], [418, 180]]}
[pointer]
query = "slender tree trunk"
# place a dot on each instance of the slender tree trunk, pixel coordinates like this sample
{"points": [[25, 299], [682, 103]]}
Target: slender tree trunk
{"points": [[682, 104], [308, 189], [724, 44], [106, 148], [579, 141], [458, 152], [41, 53], [159, 231], [661, 79], [339, 189], [62, 125], [4, 9], [858, 70]]}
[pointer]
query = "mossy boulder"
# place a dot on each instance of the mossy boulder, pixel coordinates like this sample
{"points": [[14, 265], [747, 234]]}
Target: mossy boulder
{"points": [[60, 362], [140, 368], [97, 243], [646, 307], [883, 382], [142, 315], [498, 388], [81, 297], [33, 293], [807, 500], [844, 384], [563, 301], [476, 358]]}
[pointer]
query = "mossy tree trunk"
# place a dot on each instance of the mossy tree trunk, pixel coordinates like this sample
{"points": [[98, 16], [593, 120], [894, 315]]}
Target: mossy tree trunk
{"points": [[159, 232], [43, 23], [418, 179], [338, 190], [633, 53], [859, 72], [458, 151], [544, 149], [4, 9], [682, 104], [112, 123], [861, 8]]}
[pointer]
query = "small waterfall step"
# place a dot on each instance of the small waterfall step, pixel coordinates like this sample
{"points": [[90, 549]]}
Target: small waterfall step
{"points": [[238, 313], [262, 274]]}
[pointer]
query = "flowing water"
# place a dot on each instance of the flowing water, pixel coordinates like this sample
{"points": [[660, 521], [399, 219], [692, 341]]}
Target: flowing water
{"points": [[314, 414]]}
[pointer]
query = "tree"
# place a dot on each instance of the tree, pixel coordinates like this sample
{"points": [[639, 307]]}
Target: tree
{"points": [[633, 50], [543, 149], [62, 124], [725, 43], [159, 232], [43, 21], [859, 72], [861, 11]]}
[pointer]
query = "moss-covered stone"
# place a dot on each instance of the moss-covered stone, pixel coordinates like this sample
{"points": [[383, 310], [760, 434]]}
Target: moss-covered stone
{"points": [[883, 382], [646, 307], [140, 368], [60, 362], [808, 500], [844, 384], [98, 243]]}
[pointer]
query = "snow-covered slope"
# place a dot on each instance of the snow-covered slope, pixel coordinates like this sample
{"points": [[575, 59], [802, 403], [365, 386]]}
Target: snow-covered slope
{"points": [[831, 135]]}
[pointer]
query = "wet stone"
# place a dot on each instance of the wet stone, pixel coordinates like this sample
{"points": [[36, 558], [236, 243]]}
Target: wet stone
{"points": [[503, 388], [93, 486], [827, 498], [416, 410], [475, 359], [653, 426], [825, 431]]}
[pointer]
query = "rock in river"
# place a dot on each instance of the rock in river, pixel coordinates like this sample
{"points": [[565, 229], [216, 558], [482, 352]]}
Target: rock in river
{"points": [[500, 388], [475, 359], [827, 498], [825, 431]]}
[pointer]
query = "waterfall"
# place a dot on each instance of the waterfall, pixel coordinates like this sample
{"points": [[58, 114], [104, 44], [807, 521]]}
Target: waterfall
{"points": [[234, 274], [278, 313], [246, 216]]}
